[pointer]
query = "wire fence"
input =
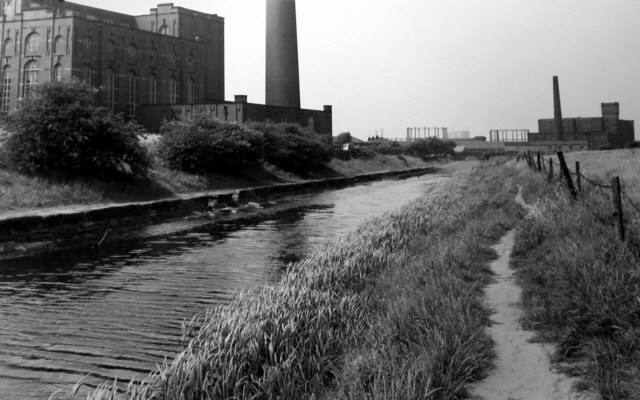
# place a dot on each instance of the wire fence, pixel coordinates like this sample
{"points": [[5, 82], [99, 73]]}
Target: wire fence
{"points": [[618, 195]]}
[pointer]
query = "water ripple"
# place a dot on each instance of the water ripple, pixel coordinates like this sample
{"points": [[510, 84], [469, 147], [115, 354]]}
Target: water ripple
{"points": [[118, 311]]}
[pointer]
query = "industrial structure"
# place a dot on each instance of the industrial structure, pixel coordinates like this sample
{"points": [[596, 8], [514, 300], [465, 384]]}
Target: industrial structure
{"points": [[569, 134], [282, 83], [170, 56], [416, 133], [240, 110], [605, 132], [509, 135], [154, 67]]}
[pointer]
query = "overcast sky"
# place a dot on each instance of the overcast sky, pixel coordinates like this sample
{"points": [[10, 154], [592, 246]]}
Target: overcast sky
{"points": [[465, 64]]}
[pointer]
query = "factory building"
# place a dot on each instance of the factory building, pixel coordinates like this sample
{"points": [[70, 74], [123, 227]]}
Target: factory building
{"points": [[170, 56], [240, 110], [153, 67], [605, 132]]}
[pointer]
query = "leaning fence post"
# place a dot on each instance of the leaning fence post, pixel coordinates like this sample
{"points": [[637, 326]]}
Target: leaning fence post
{"points": [[617, 206], [567, 175], [578, 177], [550, 169], [539, 163]]}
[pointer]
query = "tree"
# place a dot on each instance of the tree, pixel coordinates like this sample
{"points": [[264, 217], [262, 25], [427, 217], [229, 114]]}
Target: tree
{"points": [[293, 148], [203, 144], [57, 129], [343, 138], [425, 147]]}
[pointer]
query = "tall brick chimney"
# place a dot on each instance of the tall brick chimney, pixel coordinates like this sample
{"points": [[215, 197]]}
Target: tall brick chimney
{"points": [[557, 110], [282, 75]]}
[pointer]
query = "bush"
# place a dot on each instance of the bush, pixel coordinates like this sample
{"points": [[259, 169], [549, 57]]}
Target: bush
{"points": [[389, 148], [426, 147], [57, 130], [203, 144], [293, 148], [343, 138], [418, 148]]}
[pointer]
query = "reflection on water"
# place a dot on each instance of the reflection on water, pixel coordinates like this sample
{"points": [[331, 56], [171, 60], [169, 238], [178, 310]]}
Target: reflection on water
{"points": [[118, 311]]}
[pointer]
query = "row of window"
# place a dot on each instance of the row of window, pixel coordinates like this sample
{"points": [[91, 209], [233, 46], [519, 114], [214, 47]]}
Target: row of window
{"points": [[153, 84], [31, 70], [33, 43], [31, 75]]}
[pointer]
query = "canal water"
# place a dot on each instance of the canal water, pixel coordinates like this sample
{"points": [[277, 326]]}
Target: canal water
{"points": [[118, 311]]}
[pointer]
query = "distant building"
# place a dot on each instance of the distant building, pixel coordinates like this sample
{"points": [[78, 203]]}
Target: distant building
{"points": [[477, 148], [508, 135], [606, 132], [547, 146], [458, 134]]}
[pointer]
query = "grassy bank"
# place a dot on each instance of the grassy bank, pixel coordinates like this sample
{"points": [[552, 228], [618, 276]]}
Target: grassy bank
{"points": [[390, 311], [18, 191], [581, 284]]}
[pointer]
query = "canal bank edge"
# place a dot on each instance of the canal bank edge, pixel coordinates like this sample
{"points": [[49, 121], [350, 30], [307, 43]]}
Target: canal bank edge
{"points": [[45, 230]]}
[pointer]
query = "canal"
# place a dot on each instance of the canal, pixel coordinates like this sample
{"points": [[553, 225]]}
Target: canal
{"points": [[118, 311]]}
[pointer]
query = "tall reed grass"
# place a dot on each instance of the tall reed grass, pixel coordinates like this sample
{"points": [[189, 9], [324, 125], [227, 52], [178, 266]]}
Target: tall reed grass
{"points": [[581, 284], [392, 310]]}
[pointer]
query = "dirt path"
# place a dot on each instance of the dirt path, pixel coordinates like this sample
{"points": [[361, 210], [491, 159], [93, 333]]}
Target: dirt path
{"points": [[523, 369]]}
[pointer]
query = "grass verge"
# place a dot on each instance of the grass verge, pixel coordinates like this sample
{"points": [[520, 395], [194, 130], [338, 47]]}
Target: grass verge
{"points": [[21, 192], [392, 310], [582, 285]]}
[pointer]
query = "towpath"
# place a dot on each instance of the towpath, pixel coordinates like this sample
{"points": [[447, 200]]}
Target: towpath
{"points": [[523, 368]]}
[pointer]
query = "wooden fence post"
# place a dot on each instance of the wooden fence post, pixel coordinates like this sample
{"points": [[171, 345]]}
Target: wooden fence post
{"points": [[567, 175], [539, 163], [550, 169], [532, 164], [578, 177], [560, 173], [617, 206]]}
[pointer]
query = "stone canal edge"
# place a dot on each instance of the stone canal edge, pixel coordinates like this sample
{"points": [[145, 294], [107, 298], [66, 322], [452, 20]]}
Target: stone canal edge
{"points": [[39, 231]]}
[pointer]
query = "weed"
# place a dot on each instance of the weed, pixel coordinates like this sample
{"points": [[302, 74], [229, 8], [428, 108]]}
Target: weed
{"points": [[581, 284], [392, 310]]}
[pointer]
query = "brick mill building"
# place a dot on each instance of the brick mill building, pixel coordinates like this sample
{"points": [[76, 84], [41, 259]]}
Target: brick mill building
{"points": [[569, 134], [170, 56], [605, 132], [162, 65]]}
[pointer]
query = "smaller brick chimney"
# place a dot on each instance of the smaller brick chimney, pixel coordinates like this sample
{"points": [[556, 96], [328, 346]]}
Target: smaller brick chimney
{"points": [[557, 110]]}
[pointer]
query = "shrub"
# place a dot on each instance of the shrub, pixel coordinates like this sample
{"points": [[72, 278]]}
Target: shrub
{"points": [[58, 129], [418, 148], [389, 148], [344, 137], [425, 147], [293, 148], [203, 144]]}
